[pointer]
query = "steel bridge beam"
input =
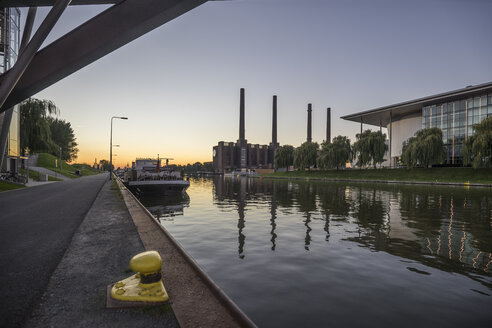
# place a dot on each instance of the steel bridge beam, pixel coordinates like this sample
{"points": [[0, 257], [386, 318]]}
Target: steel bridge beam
{"points": [[39, 3], [106, 32], [11, 77]]}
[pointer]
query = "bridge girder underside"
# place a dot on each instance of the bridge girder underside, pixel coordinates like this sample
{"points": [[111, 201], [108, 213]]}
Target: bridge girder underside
{"points": [[40, 3], [113, 28]]}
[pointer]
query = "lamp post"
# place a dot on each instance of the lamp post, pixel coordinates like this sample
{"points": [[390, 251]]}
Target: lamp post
{"points": [[111, 146]]}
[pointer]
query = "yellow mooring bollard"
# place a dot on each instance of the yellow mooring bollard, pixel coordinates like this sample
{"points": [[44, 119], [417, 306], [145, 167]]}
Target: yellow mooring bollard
{"points": [[144, 286]]}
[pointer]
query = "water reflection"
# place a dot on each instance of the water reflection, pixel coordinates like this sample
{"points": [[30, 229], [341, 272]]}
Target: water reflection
{"points": [[273, 214], [314, 254], [444, 228], [165, 208]]}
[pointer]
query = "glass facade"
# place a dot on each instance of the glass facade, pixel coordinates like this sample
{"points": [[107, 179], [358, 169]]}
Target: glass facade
{"points": [[456, 120], [9, 47]]}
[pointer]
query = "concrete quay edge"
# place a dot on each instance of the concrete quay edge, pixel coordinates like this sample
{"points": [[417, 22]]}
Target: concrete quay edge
{"points": [[204, 304]]}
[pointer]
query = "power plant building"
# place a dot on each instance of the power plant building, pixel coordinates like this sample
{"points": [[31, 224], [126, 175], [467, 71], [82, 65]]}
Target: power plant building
{"points": [[241, 155]]}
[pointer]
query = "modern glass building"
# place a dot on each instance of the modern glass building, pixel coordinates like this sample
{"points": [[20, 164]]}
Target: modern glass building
{"points": [[9, 122], [453, 112], [456, 120]]}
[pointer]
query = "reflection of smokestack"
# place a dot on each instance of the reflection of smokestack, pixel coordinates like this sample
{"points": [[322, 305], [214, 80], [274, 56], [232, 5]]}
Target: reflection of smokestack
{"points": [[328, 125], [309, 139], [274, 121], [241, 116]]}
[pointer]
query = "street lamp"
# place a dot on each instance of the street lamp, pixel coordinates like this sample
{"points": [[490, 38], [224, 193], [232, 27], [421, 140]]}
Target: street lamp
{"points": [[111, 146]]}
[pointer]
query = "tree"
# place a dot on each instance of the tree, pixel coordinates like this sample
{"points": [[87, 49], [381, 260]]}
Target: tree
{"points": [[378, 147], [40, 132], [284, 156], [104, 165], [335, 154], [305, 155], [409, 153], [63, 136], [361, 148], [370, 147], [35, 132], [208, 166], [477, 149], [425, 149]]}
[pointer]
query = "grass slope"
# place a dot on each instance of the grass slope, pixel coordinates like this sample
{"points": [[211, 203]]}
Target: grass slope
{"points": [[48, 161], [35, 175], [85, 169], [441, 174]]}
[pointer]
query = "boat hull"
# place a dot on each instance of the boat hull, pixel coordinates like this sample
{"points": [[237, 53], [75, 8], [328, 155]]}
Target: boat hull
{"points": [[157, 187]]}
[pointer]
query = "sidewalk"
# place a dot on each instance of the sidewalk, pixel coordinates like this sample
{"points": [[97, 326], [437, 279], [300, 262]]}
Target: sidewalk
{"points": [[98, 255]]}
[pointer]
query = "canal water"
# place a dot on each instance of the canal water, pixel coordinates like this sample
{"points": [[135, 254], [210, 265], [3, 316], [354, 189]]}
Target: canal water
{"points": [[317, 254]]}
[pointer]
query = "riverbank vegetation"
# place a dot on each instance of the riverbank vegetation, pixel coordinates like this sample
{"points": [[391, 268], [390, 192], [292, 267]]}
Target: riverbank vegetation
{"points": [[424, 150], [419, 154], [436, 174]]}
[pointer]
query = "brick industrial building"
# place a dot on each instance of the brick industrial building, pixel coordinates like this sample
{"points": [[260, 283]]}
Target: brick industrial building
{"points": [[241, 155], [228, 156]]}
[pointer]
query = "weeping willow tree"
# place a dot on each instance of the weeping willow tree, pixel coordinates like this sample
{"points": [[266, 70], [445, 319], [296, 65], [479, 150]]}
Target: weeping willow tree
{"points": [[370, 148], [284, 156], [361, 148], [305, 155], [335, 154], [41, 132], [424, 149], [477, 149], [378, 147], [35, 132]]}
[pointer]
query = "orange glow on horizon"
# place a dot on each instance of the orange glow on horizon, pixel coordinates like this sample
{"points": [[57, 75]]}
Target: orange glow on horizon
{"points": [[89, 157]]}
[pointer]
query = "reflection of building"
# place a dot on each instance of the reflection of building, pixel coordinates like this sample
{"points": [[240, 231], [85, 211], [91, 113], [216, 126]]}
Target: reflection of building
{"points": [[242, 155], [429, 227], [9, 120], [454, 112]]}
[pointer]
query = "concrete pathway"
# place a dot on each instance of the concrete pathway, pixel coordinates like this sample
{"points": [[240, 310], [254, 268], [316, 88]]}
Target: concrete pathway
{"points": [[34, 183], [98, 255], [49, 172], [36, 227]]}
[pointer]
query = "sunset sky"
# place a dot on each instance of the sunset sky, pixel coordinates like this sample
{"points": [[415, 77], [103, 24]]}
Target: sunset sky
{"points": [[179, 84]]}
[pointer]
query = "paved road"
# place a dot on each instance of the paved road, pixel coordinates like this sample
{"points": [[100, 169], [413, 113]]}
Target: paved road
{"points": [[36, 227]]}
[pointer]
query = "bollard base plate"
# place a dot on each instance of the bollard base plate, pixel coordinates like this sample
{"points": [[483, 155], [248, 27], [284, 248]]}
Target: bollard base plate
{"points": [[112, 303]]}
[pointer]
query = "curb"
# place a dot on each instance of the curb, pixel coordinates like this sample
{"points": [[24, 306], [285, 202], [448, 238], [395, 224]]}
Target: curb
{"points": [[236, 313]]}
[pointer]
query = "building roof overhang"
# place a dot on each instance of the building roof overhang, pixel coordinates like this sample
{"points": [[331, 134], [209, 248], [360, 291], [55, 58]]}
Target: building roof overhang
{"points": [[381, 116]]}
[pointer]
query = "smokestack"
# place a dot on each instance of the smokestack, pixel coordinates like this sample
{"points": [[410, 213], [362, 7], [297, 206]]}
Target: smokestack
{"points": [[274, 121], [328, 125], [309, 139], [241, 116]]}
